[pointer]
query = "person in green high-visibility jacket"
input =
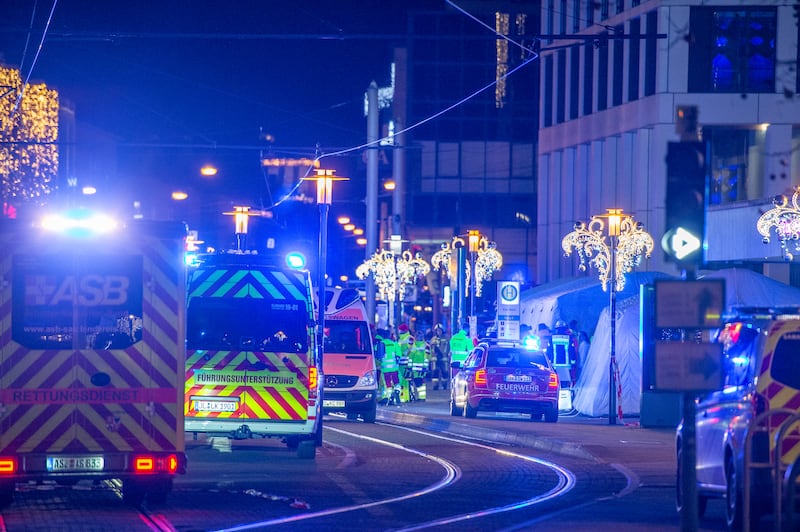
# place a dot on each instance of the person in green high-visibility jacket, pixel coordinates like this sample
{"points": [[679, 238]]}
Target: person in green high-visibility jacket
{"points": [[419, 364], [460, 347], [404, 343], [389, 383]]}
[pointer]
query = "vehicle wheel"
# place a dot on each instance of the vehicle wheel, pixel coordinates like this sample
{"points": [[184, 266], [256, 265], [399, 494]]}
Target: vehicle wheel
{"points": [[133, 492], [551, 416], [455, 410], [306, 450], [158, 490], [370, 415], [733, 496], [468, 410], [6, 494]]}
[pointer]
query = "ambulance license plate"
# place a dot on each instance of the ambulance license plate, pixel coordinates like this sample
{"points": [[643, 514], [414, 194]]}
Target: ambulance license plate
{"points": [[216, 406], [332, 404], [75, 463]]}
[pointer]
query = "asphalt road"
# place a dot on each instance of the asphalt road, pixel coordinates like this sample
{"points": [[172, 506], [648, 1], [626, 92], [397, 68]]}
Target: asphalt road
{"points": [[624, 480]]}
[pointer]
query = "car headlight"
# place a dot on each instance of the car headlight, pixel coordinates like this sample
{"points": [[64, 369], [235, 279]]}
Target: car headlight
{"points": [[370, 378]]}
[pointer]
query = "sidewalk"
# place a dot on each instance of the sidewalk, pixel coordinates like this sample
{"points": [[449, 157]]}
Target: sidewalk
{"points": [[574, 434]]}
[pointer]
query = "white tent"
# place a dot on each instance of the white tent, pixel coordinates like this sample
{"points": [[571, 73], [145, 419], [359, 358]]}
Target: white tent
{"points": [[591, 390], [748, 288], [742, 288], [577, 298]]}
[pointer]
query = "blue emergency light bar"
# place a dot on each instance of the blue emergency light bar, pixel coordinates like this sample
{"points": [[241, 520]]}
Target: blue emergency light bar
{"points": [[79, 223]]}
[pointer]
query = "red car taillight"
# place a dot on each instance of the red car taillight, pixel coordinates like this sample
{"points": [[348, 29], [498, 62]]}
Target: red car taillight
{"points": [[149, 464], [8, 465], [312, 382], [552, 384], [480, 377]]}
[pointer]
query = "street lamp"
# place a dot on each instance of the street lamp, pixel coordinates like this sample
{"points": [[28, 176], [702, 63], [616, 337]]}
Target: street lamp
{"points": [[627, 242], [324, 179], [484, 260], [392, 270], [785, 219]]}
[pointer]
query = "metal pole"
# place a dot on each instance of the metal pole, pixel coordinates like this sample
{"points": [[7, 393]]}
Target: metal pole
{"points": [[323, 245], [612, 389], [372, 190]]}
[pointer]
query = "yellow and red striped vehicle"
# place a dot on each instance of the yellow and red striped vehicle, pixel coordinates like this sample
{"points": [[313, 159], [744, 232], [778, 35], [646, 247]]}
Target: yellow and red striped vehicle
{"points": [[252, 362], [91, 353]]}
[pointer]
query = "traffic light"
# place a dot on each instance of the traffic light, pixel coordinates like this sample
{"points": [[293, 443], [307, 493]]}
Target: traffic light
{"points": [[684, 236]]}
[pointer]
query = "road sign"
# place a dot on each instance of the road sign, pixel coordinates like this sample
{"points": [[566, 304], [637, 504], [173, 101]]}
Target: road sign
{"points": [[508, 298], [689, 304], [688, 367]]}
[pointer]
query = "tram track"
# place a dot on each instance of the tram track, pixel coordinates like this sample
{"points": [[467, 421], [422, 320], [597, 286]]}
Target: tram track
{"points": [[452, 474]]}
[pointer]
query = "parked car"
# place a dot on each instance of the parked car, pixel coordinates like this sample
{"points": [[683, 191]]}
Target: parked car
{"points": [[504, 376], [761, 391]]}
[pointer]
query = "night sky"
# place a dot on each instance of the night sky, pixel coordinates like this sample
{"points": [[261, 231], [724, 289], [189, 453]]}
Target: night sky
{"points": [[180, 83]]}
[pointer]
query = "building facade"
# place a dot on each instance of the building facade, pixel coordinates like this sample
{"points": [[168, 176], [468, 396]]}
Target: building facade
{"points": [[470, 89], [613, 76]]}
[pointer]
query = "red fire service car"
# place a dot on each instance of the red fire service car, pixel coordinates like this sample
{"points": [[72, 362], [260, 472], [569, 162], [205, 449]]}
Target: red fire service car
{"points": [[500, 376]]}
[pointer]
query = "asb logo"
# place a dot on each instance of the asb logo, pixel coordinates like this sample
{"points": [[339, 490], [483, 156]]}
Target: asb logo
{"points": [[681, 244]]}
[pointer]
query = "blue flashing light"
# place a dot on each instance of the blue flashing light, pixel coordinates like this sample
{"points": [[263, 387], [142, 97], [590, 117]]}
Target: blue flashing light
{"points": [[79, 223], [532, 343], [191, 259], [295, 260]]}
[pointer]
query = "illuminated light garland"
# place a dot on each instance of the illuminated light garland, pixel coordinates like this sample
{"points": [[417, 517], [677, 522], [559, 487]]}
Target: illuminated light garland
{"points": [[488, 260], [784, 217], [28, 150], [589, 241], [392, 272]]}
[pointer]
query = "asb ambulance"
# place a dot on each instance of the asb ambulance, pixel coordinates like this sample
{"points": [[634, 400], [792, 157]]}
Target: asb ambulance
{"points": [[91, 353], [252, 361]]}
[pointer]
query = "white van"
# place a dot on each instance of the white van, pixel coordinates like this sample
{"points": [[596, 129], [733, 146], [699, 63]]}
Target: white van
{"points": [[350, 384]]}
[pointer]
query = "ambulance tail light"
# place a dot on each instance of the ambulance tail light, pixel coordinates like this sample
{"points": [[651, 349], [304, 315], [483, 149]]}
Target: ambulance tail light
{"points": [[145, 464], [312, 382], [8, 465], [552, 384], [480, 377]]}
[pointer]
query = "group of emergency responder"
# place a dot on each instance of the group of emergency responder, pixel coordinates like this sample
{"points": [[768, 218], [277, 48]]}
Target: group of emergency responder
{"points": [[407, 361]]}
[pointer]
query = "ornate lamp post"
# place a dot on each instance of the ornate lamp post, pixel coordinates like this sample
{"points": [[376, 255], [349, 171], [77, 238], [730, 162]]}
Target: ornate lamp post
{"points": [[392, 270], [484, 261], [627, 242], [784, 218]]}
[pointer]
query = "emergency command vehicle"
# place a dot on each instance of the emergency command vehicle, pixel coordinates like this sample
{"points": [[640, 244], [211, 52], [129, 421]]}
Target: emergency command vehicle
{"points": [[91, 353], [252, 361], [351, 381]]}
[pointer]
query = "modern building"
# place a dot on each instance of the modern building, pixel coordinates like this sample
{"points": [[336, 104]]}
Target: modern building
{"points": [[466, 84], [612, 82]]}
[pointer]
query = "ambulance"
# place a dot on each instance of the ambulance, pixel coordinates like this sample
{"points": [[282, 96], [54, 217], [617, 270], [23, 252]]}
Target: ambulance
{"points": [[91, 353], [351, 379], [252, 360]]}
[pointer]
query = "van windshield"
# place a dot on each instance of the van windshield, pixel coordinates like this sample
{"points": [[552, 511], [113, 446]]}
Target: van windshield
{"points": [[786, 361], [246, 324], [345, 336]]}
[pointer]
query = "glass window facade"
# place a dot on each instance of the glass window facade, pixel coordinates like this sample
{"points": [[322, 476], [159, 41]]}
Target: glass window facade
{"points": [[732, 49]]}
